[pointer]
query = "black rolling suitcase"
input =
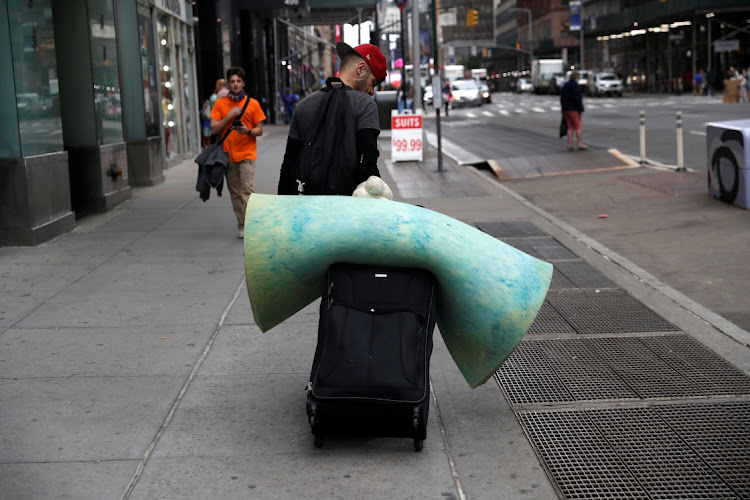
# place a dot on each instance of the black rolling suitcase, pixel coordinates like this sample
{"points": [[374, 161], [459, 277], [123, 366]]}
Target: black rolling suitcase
{"points": [[370, 373]]}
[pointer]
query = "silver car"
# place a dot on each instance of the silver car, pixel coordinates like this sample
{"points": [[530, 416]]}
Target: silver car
{"points": [[465, 93], [605, 84]]}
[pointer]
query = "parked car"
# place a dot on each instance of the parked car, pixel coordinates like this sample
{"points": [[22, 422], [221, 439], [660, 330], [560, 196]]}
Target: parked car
{"points": [[605, 84], [427, 96], [524, 85], [465, 93], [484, 90]]}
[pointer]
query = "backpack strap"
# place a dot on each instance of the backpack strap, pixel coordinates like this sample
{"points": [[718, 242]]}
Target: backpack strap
{"points": [[247, 101]]}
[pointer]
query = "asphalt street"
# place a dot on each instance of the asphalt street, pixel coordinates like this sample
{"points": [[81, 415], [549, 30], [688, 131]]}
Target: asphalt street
{"points": [[610, 122]]}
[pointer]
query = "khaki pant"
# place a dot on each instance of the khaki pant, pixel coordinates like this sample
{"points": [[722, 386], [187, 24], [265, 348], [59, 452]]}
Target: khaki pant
{"points": [[240, 184]]}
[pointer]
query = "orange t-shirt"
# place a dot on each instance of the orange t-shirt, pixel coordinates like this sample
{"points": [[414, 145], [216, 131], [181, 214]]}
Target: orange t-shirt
{"points": [[239, 146]]}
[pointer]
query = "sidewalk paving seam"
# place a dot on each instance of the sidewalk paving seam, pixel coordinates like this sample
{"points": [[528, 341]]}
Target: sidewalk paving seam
{"points": [[702, 313], [142, 465], [446, 441]]}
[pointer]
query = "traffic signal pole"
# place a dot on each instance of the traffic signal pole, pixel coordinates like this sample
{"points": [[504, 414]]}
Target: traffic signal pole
{"points": [[435, 90]]}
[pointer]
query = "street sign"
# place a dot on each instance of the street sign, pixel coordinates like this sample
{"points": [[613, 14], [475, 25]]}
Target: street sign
{"points": [[677, 36], [401, 4], [726, 45], [406, 135]]}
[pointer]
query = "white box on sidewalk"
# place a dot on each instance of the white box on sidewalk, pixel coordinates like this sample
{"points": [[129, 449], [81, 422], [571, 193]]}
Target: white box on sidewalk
{"points": [[728, 145]]}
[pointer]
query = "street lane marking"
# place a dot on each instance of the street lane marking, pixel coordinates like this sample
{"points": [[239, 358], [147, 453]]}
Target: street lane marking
{"points": [[487, 113], [538, 110], [697, 132], [505, 112]]}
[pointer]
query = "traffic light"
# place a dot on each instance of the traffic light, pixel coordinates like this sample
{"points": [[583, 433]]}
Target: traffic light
{"points": [[472, 17], [518, 46]]}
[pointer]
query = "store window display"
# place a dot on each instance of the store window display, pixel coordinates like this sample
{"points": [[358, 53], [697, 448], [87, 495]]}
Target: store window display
{"points": [[35, 81], [105, 72]]}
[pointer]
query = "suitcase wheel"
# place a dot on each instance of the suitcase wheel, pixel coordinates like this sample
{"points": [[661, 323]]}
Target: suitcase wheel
{"points": [[415, 421], [418, 444], [313, 420]]}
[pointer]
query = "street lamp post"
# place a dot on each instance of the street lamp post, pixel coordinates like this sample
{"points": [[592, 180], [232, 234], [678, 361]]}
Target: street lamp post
{"points": [[531, 36]]}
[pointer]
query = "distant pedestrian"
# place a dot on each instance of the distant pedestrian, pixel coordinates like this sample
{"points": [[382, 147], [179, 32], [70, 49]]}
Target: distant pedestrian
{"points": [[206, 123], [698, 82], [219, 88], [240, 144], [571, 103], [744, 84], [289, 99], [447, 96], [710, 77]]}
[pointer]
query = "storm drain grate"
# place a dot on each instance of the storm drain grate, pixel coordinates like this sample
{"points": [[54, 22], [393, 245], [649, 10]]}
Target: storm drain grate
{"points": [[717, 436], [607, 311], [645, 372], [525, 377], [549, 321], [701, 366], [510, 229], [661, 461], [584, 275], [577, 456]]}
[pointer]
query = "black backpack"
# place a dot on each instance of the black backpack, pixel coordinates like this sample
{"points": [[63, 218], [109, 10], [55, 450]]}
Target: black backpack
{"points": [[328, 158]]}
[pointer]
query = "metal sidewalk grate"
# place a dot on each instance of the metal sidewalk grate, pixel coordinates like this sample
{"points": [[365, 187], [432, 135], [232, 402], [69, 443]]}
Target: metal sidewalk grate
{"points": [[699, 365], [661, 461], [661, 452], [586, 376], [551, 252], [549, 321], [559, 281], [525, 377], [718, 436], [577, 456], [548, 249], [645, 372], [607, 311], [510, 229], [584, 275], [623, 368]]}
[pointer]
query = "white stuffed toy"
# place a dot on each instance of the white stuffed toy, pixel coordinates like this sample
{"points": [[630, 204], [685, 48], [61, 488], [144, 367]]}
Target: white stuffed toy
{"points": [[374, 187]]}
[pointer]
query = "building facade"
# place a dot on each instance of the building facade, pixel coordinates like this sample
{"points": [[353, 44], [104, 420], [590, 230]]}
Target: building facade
{"points": [[101, 98]]}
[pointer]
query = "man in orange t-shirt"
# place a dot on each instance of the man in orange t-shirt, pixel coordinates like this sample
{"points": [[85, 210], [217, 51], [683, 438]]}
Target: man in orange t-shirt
{"points": [[240, 144]]}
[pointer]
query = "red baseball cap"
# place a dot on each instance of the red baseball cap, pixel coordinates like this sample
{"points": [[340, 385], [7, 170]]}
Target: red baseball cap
{"points": [[370, 53]]}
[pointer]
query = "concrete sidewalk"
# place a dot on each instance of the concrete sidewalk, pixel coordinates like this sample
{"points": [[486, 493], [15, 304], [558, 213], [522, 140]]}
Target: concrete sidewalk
{"points": [[130, 367]]}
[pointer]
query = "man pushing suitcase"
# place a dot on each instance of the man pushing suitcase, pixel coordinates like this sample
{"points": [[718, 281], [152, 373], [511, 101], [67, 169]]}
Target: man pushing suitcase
{"points": [[370, 373]]}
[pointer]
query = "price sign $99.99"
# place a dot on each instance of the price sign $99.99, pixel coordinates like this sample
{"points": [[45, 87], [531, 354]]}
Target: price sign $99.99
{"points": [[406, 136]]}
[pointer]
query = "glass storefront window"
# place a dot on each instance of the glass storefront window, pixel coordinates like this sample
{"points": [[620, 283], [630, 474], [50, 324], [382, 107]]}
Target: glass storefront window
{"points": [[170, 101], [148, 71], [35, 76], [106, 73]]}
